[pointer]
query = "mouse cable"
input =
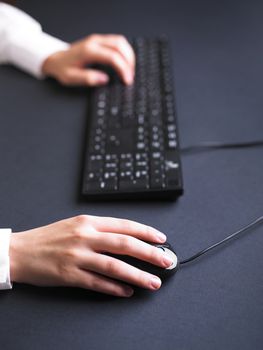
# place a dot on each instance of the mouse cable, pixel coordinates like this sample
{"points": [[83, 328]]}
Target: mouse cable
{"points": [[206, 145], [195, 256]]}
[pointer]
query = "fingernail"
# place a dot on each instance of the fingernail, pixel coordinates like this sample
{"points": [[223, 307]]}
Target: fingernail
{"points": [[128, 292], [103, 78], [155, 283], [167, 261], [129, 78], [160, 236]]}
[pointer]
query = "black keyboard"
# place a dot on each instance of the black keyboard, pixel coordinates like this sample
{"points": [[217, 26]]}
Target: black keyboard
{"points": [[132, 148]]}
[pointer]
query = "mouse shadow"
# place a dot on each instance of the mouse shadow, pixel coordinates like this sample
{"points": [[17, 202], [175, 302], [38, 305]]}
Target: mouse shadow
{"points": [[78, 295], [71, 295]]}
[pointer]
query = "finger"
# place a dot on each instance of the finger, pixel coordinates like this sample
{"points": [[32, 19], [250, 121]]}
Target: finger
{"points": [[126, 245], [120, 44], [90, 77], [102, 284], [128, 227], [108, 56], [120, 270]]}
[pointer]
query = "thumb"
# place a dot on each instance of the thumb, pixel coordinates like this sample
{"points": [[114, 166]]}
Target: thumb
{"points": [[89, 77]]}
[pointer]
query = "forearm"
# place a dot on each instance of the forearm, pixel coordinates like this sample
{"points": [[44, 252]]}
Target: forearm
{"points": [[23, 43]]}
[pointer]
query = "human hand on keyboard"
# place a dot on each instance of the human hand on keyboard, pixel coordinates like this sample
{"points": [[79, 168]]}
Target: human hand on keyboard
{"points": [[69, 67], [70, 253]]}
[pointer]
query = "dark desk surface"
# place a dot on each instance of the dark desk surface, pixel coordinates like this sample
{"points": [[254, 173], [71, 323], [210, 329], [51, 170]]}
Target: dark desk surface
{"points": [[215, 303]]}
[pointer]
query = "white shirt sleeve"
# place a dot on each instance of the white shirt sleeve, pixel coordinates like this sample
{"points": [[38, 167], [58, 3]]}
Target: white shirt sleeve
{"points": [[22, 41], [5, 282]]}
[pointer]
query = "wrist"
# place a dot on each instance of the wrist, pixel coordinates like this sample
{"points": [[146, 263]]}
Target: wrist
{"points": [[50, 66], [47, 65], [14, 256]]}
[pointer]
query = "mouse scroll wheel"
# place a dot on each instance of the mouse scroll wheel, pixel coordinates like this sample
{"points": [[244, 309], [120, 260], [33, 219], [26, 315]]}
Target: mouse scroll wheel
{"points": [[162, 248]]}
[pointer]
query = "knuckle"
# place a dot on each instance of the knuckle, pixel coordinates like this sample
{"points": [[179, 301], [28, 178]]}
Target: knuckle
{"points": [[90, 41], [94, 283], [115, 59], [78, 235], [70, 254], [147, 231], [125, 243], [127, 225], [111, 267], [93, 37], [82, 220], [153, 253], [141, 278], [88, 45], [82, 228]]}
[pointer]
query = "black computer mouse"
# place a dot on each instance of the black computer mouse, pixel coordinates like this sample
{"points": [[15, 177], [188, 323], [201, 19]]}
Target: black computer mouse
{"points": [[161, 272]]}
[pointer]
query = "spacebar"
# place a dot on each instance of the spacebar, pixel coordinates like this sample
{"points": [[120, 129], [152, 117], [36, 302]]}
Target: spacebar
{"points": [[128, 185]]}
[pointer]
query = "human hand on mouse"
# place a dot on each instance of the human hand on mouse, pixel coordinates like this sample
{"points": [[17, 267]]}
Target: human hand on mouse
{"points": [[69, 67], [70, 253]]}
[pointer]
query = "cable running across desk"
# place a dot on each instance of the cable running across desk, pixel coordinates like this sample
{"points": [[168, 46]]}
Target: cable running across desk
{"points": [[210, 145], [249, 226]]}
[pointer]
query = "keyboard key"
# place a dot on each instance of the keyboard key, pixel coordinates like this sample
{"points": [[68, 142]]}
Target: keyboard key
{"points": [[156, 182], [172, 177], [95, 165], [109, 184]]}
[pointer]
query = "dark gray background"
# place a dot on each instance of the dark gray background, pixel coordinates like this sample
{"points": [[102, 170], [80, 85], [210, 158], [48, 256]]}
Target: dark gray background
{"points": [[216, 302]]}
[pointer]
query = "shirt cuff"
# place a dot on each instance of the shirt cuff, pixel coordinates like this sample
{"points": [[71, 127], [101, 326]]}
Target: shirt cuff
{"points": [[28, 51], [5, 282]]}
